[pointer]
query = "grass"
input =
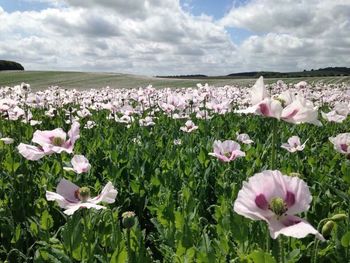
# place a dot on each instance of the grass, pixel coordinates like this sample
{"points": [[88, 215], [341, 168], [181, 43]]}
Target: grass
{"points": [[40, 80]]}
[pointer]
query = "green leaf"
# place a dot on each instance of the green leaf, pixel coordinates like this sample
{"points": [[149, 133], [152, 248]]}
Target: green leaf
{"points": [[345, 240], [261, 257], [46, 221]]}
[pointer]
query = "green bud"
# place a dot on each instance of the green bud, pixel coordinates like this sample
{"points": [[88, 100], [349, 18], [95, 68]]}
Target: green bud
{"points": [[128, 219], [327, 228], [339, 217], [278, 206], [84, 194]]}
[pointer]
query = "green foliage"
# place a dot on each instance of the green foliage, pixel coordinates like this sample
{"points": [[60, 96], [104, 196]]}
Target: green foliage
{"points": [[182, 197]]}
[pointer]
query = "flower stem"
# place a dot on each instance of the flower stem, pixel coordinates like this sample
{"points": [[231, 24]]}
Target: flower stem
{"points": [[128, 245], [86, 230], [281, 248], [273, 144]]}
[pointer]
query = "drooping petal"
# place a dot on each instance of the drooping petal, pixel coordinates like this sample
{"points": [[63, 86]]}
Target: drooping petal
{"points": [[292, 226], [30, 152], [71, 209], [108, 195], [62, 202]]}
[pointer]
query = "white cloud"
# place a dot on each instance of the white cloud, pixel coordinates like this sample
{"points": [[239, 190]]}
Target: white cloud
{"points": [[293, 34], [158, 37]]}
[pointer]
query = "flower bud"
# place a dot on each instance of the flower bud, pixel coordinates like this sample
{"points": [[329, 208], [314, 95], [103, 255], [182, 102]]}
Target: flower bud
{"points": [[128, 219], [339, 217], [327, 228]]}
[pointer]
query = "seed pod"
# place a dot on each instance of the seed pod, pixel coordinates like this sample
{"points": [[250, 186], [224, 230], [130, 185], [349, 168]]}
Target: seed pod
{"points": [[128, 219]]}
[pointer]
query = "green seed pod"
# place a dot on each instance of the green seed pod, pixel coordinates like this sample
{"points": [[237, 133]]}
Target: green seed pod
{"points": [[339, 217], [327, 228], [128, 219], [84, 194]]}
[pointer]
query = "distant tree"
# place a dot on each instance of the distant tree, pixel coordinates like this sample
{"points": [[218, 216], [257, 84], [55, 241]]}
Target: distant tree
{"points": [[10, 65]]}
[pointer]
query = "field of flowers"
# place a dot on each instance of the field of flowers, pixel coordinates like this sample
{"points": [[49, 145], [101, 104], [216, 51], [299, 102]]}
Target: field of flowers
{"points": [[208, 174]]}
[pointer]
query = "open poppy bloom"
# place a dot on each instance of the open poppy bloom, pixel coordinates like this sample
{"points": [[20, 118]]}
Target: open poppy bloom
{"points": [[80, 164], [227, 151], [341, 143], [71, 197], [276, 198], [293, 144], [50, 142], [189, 126], [244, 138], [285, 106]]}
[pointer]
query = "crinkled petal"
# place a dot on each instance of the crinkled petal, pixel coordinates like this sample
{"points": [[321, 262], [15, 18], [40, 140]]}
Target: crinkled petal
{"points": [[108, 195], [292, 226], [30, 152]]}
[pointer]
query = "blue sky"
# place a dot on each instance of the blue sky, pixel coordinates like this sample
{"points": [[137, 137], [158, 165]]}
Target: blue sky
{"points": [[22, 5]]}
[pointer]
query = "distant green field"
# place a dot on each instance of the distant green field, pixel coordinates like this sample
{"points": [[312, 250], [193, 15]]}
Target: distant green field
{"points": [[82, 80]]}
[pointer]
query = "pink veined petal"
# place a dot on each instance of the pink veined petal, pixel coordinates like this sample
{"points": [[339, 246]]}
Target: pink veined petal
{"points": [[45, 137], [62, 202], [294, 141], [108, 195], [292, 226], [258, 91], [75, 207], [80, 164], [301, 193], [68, 190], [30, 152], [287, 147], [73, 134]]}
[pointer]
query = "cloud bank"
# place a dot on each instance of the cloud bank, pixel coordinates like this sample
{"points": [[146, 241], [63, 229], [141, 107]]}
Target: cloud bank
{"points": [[155, 37]]}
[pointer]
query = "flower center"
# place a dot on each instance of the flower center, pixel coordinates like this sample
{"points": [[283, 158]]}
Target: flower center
{"points": [[57, 141], [84, 194], [278, 206], [227, 154]]}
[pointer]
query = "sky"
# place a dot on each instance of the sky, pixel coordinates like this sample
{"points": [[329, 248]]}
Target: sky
{"points": [[174, 37]]}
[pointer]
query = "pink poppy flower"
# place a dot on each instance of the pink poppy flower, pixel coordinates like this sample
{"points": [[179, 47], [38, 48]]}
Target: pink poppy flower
{"points": [[189, 127], [227, 151], [55, 141], [50, 142], [276, 198], [332, 116], [244, 138], [71, 197], [80, 164], [293, 144], [341, 143], [301, 111], [7, 140]]}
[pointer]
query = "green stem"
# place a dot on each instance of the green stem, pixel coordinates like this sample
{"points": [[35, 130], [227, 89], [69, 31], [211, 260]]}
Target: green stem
{"points": [[128, 245], [273, 144], [86, 230], [316, 241], [281, 248]]}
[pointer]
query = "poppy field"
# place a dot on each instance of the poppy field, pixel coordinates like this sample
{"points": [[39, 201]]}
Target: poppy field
{"points": [[256, 174]]}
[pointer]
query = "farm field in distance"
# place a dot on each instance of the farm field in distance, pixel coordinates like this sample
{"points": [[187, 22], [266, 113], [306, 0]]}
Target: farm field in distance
{"points": [[40, 80]]}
